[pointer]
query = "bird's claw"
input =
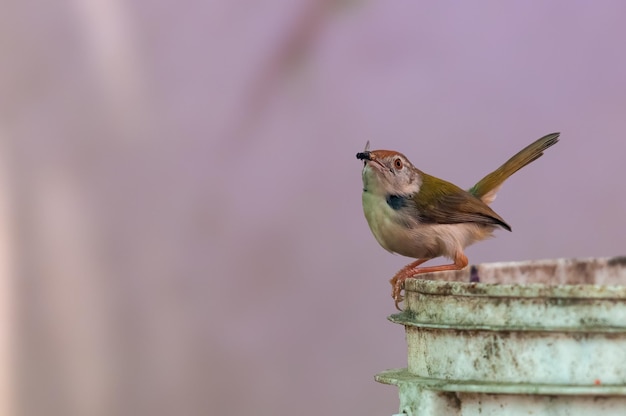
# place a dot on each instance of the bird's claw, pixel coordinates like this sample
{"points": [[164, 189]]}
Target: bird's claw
{"points": [[397, 300], [397, 285]]}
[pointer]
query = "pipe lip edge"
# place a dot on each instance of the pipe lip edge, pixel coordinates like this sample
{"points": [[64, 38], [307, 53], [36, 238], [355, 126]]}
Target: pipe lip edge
{"points": [[401, 376], [408, 320]]}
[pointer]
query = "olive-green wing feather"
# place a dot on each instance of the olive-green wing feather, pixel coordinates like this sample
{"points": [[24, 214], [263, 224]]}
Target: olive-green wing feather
{"points": [[441, 202]]}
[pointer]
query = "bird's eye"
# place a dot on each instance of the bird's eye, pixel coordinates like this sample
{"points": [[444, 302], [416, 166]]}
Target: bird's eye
{"points": [[397, 163]]}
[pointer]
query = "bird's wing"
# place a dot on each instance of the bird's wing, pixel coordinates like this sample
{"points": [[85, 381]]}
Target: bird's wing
{"points": [[441, 202]]}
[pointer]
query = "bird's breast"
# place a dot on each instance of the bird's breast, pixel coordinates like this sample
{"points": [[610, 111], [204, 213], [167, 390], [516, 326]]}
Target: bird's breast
{"points": [[392, 228], [398, 231]]}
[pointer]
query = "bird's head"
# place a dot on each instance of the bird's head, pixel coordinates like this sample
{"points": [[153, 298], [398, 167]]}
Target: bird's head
{"points": [[387, 172]]}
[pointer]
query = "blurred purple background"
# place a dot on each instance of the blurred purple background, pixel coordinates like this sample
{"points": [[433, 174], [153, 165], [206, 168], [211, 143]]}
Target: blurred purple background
{"points": [[188, 236]]}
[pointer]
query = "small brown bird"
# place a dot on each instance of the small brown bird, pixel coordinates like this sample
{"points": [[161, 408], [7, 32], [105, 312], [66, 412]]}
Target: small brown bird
{"points": [[421, 216]]}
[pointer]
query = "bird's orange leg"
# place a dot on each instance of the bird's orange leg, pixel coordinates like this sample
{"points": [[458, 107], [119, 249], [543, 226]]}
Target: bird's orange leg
{"points": [[397, 283]]}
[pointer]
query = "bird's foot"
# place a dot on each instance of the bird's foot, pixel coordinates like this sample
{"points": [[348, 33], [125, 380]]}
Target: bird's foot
{"points": [[397, 282]]}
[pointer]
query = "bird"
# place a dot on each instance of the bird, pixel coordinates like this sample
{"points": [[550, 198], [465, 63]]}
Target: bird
{"points": [[418, 215]]}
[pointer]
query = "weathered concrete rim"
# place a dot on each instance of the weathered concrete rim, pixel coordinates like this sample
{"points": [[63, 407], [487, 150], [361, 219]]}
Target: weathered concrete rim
{"points": [[408, 319], [530, 290], [548, 278], [399, 376]]}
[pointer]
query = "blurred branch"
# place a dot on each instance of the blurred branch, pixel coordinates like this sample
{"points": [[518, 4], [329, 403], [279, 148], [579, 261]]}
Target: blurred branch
{"points": [[287, 53]]}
